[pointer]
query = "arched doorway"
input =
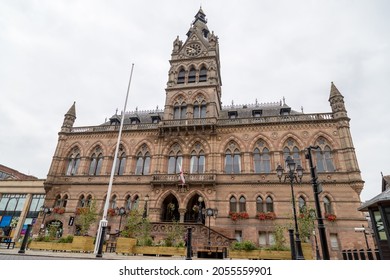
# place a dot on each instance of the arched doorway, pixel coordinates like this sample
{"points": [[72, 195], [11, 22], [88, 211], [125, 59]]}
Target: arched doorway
{"points": [[54, 228], [192, 213], [170, 209]]}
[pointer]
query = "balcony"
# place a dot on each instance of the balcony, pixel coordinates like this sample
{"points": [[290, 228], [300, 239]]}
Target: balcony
{"points": [[190, 179], [204, 124]]}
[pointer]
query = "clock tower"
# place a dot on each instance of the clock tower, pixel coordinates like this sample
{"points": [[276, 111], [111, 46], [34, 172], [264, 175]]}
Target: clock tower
{"points": [[194, 83]]}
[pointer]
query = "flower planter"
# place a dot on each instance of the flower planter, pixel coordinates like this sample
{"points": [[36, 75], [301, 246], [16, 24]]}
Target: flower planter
{"points": [[83, 244], [61, 246], [38, 245], [160, 250], [125, 245]]}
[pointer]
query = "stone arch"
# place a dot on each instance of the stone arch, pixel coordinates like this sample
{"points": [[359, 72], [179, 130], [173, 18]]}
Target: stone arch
{"points": [[93, 146], [71, 148], [332, 142], [258, 137], [288, 135], [191, 204], [224, 144]]}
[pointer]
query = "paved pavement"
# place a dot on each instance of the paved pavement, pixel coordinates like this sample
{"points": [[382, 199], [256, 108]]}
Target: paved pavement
{"points": [[13, 254]]}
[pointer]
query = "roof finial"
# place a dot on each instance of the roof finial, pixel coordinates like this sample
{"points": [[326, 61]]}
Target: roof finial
{"points": [[284, 101], [302, 109], [116, 111]]}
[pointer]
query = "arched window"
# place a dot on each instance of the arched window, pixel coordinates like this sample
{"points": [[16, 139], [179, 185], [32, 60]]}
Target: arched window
{"points": [[269, 204], [197, 164], [73, 162], [261, 159], [58, 201], [135, 202], [128, 202], [203, 74], [192, 75], [143, 162], [175, 162], [324, 158], [81, 202], [242, 204], [259, 204], [181, 76], [113, 202], [65, 200], [292, 150], [233, 204], [301, 204], [120, 162], [232, 159], [89, 200], [327, 206], [180, 111], [96, 162]]}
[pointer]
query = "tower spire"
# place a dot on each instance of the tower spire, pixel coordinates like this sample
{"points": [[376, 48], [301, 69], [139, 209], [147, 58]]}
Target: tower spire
{"points": [[69, 118]]}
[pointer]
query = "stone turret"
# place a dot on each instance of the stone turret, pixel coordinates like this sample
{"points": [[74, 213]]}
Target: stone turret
{"points": [[336, 101], [69, 119]]}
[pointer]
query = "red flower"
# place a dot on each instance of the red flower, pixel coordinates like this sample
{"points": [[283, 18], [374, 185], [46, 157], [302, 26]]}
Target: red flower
{"points": [[59, 210], [111, 212], [238, 215], [266, 216], [330, 217]]}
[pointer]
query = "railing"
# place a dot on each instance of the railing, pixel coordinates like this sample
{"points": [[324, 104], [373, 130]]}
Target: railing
{"points": [[362, 254], [188, 178], [206, 122]]}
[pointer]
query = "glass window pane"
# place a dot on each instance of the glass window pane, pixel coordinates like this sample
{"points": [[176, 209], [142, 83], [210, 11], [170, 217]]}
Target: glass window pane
{"points": [[236, 164], [179, 164], [259, 204], [176, 113], [203, 111], [233, 204], [139, 165], [147, 165], [92, 166], [11, 204], [201, 164], [320, 161], [257, 162], [171, 165], [194, 164], [228, 163], [183, 113], [99, 164], [196, 112]]}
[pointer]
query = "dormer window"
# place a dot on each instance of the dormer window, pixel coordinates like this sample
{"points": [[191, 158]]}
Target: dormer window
{"points": [[285, 111], [156, 119], [257, 113], [134, 120], [232, 115]]}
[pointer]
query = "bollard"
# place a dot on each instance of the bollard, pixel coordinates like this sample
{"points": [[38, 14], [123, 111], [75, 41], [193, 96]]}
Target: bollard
{"points": [[25, 240], [189, 243]]}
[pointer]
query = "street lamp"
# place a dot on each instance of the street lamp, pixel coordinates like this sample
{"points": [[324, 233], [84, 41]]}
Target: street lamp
{"points": [[121, 212], [317, 190], [44, 211], [210, 212], [145, 214], [294, 174], [200, 220]]}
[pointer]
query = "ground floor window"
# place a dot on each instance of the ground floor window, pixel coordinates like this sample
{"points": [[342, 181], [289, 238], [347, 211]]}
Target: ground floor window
{"points": [[266, 238]]}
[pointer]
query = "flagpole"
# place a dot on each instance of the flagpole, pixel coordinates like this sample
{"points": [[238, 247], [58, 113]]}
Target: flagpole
{"points": [[103, 222]]}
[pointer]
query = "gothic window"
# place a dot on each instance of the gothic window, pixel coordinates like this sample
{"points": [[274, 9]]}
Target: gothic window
{"points": [[199, 109], [259, 204], [128, 202], [323, 155], [135, 202], [113, 202], [269, 204], [89, 200], [242, 204], [327, 206], [192, 75], [120, 161], [58, 201], [197, 163], [143, 161], [65, 200], [203, 74], [175, 160], [261, 158], [179, 111], [293, 151], [96, 163], [232, 159], [81, 202], [301, 204], [233, 204], [181, 76], [73, 162]]}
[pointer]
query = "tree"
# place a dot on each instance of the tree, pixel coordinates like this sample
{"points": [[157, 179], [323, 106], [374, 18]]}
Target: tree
{"points": [[86, 217]]}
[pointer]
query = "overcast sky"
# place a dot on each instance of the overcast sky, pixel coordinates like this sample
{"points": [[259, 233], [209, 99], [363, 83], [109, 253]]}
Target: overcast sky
{"points": [[53, 53]]}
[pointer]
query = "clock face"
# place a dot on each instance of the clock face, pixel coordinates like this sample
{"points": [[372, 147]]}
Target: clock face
{"points": [[193, 49]]}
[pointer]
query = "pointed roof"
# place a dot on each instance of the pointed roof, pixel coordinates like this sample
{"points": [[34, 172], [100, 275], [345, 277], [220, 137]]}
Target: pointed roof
{"points": [[200, 16], [72, 110], [334, 91]]}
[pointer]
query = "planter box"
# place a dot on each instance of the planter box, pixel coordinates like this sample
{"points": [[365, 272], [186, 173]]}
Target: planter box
{"points": [[61, 246], [83, 244], [38, 245], [160, 250], [125, 245]]}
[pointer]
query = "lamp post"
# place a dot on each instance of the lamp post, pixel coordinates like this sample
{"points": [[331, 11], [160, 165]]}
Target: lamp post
{"points": [[294, 174], [200, 220], [210, 212], [317, 190], [145, 214], [44, 211], [317, 250], [121, 212]]}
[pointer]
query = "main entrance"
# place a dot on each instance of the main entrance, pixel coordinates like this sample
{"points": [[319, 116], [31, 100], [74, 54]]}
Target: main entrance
{"points": [[193, 214]]}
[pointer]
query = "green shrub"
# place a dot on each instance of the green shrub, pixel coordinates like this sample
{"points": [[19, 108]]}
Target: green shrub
{"points": [[244, 245], [67, 239]]}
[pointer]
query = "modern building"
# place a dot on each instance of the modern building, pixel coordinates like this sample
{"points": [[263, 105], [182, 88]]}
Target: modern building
{"points": [[227, 155], [21, 197]]}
